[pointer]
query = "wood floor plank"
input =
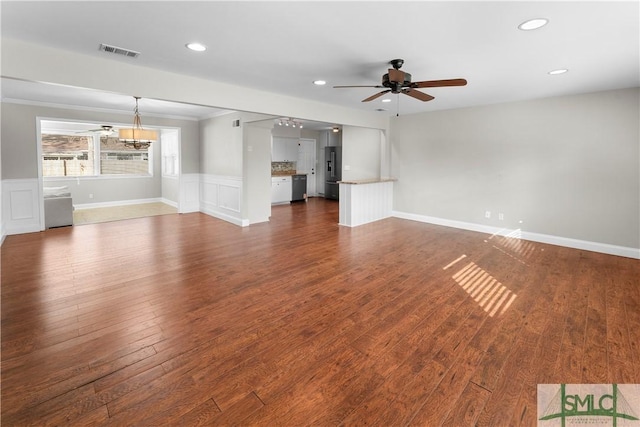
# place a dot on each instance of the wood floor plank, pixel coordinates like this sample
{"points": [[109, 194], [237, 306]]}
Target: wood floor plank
{"points": [[442, 402], [54, 411], [48, 389], [399, 397], [238, 413], [468, 407], [502, 404], [496, 349], [201, 415], [189, 320]]}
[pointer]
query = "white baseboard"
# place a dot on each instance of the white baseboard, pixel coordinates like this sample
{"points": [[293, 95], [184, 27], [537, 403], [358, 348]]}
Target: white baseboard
{"points": [[169, 202], [216, 213], [526, 235], [121, 203]]}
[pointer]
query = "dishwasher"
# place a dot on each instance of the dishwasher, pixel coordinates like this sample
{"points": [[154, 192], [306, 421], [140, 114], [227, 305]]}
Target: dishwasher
{"points": [[299, 188]]}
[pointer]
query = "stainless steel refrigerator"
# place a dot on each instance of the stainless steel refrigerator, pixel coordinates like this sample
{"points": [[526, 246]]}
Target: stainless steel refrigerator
{"points": [[332, 172]]}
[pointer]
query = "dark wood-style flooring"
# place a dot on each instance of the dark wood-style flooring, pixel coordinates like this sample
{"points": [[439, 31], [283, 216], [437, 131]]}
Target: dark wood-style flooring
{"points": [[188, 320]]}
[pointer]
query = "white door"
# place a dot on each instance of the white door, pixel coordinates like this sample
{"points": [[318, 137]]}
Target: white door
{"points": [[307, 163]]}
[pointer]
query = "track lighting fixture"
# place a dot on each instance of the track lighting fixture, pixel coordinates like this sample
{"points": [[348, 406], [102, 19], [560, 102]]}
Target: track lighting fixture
{"points": [[290, 122]]}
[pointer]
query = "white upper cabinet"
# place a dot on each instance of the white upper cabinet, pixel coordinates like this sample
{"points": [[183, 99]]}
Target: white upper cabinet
{"points": [[284, 149]]}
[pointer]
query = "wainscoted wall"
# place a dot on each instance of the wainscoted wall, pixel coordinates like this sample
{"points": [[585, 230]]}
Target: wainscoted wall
{"points": [[189, 192], [221, 197], [22, 210]]}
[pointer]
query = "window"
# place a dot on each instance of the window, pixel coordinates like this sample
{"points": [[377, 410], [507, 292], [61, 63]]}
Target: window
{"points": [[116, 159], [170, 151], [65, 153]]}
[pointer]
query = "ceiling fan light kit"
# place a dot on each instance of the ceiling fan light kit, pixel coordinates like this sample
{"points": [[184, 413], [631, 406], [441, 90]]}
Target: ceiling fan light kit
{"points": [[137, 137]]}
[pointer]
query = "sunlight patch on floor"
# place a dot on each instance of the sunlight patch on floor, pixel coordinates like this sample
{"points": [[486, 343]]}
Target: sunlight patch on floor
{"points": [[512, 244], [487, 291]]}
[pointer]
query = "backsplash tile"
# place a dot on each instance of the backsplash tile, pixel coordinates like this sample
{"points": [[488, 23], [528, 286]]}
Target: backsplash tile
{"points": [[283, 168]]}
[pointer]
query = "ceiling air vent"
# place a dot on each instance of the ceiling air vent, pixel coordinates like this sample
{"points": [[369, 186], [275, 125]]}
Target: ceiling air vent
{"points": [[119, 50]]}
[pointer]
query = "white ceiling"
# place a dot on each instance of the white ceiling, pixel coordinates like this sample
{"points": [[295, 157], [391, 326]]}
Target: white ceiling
{"points": [[282, 47]]}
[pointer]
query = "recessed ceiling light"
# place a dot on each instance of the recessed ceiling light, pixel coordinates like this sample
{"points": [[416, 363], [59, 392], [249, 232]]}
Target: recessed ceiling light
{"points": [[197, 47], [319, 82], [386, 100], [533, 24], [559, 71]]}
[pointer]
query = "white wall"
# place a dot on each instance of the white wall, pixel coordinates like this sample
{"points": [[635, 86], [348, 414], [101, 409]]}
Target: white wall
{"points": [[257, 172], [221, 146], [235, 165], [360, 153], [565, 166], [170, 190]]}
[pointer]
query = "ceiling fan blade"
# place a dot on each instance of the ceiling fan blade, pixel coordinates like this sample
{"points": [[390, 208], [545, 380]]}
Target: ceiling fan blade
{"points": [[105, 130], [439, 83], [418, 95], [377, 95], [341, 87], [396, 75], [90, 130]]}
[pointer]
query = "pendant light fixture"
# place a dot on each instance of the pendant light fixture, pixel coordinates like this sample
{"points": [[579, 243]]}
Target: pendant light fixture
{"points": [[136, 136]]}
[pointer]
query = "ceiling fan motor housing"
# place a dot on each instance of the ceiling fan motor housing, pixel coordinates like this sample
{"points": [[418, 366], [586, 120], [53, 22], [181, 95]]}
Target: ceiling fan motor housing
{"points": [[396, 86]]}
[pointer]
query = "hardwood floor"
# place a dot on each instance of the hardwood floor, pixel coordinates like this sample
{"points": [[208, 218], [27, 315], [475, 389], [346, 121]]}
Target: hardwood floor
{"points": [[189, 320]]}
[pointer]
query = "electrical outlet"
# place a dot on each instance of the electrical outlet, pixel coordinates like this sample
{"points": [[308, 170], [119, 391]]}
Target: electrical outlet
{"points": [[487, 214], [91, 195]]}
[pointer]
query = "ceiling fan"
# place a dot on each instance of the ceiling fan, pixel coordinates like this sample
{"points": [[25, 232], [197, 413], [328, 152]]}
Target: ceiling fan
{"points": [[104, 130], [397, 81]]}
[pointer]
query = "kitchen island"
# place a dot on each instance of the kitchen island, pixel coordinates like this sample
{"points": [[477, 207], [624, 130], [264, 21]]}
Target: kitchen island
{"points": [[366, 200]]}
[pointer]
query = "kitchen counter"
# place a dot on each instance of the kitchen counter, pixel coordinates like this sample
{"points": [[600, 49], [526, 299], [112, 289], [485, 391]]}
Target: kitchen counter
{"points": [[368, 181], [286, 173]]}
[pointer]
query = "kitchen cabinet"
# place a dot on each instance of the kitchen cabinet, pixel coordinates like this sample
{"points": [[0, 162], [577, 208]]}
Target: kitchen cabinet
{"points": [[284, 150], [281, 189]]}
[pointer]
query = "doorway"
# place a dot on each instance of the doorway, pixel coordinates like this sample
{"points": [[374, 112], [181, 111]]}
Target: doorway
{"points": [[307, 163], [86, 175]]}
